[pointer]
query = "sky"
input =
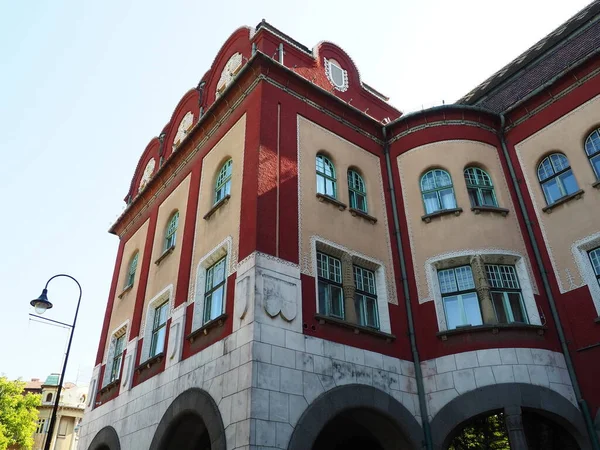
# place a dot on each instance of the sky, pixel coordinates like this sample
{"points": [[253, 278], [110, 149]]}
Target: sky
{"points": [[85, 85]]}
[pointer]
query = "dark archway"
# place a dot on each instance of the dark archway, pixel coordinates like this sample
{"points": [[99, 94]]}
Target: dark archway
{"points": [[537, 399], [191, 422], [105, 439], [356, 416]]}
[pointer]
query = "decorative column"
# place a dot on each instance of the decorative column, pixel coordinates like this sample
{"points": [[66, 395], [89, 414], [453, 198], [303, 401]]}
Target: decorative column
{"points": [[483, 290], [349, 288], [514, 427]]}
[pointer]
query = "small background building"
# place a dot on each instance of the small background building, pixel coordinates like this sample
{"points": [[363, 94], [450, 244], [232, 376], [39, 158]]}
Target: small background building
{"points": [[70, 412]]}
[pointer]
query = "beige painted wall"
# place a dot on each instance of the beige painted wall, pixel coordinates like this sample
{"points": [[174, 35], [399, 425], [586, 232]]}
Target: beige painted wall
{"points": [[450, 233], [226, 220], [325, 220], [123, 307], [559, 228], [164, 274]]}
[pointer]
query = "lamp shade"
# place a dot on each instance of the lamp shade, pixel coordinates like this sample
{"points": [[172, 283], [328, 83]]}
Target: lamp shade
{"points": [[41, 304]]}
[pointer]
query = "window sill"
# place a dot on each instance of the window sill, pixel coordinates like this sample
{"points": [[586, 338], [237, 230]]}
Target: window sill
{"points": [[125, 290], [596, 185], [443, 212], [567, 198], [358, 329], [493, 328], [207, 327], [216, 206], [364, 215], [110, 386], [326, 198], [150, 362], [166, 253], [492, 209]]}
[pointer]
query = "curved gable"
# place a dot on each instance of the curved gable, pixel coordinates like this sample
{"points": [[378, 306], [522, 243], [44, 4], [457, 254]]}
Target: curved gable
{"points": [[184, 117]]}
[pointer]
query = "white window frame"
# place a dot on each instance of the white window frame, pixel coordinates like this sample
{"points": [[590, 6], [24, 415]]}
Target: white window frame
{"points": [[580, 251], [223, 249], [334, 249], [490, 256], [166, 295], [328, 72], [121, 330]]}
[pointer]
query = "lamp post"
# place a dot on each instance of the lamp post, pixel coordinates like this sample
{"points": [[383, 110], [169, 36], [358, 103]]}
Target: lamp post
{"points": [[41, 304]]}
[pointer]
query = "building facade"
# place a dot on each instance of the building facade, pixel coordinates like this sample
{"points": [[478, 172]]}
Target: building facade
{"points": [[69, 414], [301, 266]]}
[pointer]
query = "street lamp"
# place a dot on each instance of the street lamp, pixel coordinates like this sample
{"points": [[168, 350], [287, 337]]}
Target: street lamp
{"points": [[41, 304]]}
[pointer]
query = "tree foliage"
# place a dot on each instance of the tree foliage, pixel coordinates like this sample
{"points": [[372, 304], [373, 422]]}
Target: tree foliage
{"points": [[18, 415], [482, 433]]}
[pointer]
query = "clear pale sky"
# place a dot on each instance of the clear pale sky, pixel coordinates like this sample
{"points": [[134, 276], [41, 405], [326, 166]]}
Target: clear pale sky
{"points": [[84, 86]]}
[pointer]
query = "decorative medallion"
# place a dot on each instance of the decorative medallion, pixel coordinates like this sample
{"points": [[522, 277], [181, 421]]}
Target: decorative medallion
{"points": [[279, 297], [148, 171], [230, 70], [184, 128]]}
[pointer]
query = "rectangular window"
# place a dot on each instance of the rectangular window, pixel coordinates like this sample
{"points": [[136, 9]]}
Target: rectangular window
{"points": [[461, 304], [41, 426], [595, 260], [331, 298], [62, 427], [159, 330], [115, 371], [366, 297], [214, 292], [506, 293]]}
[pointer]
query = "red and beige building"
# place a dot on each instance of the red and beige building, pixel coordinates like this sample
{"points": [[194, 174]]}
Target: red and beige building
{"points": [[302, 266]]}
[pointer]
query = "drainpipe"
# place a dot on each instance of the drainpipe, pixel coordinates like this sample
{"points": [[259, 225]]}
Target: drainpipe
{"points": [[538, 258], [409, 315]]}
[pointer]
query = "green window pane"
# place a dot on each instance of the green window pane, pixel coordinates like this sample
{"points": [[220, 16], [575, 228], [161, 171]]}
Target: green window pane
{"points": [[223, 184]]}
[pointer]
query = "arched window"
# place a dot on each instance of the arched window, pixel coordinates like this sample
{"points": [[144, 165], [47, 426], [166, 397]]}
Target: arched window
{"points": [[592, 149], [223, 185], [357, 191], [49, 397], [556, 177], [437, 190], [171, 232], [131, 270], [480, 187], [326, 183]]}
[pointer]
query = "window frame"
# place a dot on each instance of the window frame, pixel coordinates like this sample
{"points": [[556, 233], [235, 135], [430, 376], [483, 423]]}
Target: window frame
{"points": [[223, 181], [505, 291], [327, 282], [594, 156], [326, 177], [131, 270], [117, 359], [437, 190], [591, 259], [476, 173], [357, 188], [362, 295], [157, 326], [171, 231], [208, 292], [556, 176], [459, 294]]}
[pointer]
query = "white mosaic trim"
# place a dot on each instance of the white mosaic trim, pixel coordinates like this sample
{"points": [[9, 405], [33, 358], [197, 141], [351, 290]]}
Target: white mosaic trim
{"points": [[305, 261], [146, 328], [122, 329], [580, 251], [448, 377], [524, 274], [533, 186], [344, 86], [503, 187]]}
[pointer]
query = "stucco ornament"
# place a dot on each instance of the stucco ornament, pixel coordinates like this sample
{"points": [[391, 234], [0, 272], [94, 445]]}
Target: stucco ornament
{"points": [[242, 292], [279, 297], [148, 171], [184, 127], [229, 72]]}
